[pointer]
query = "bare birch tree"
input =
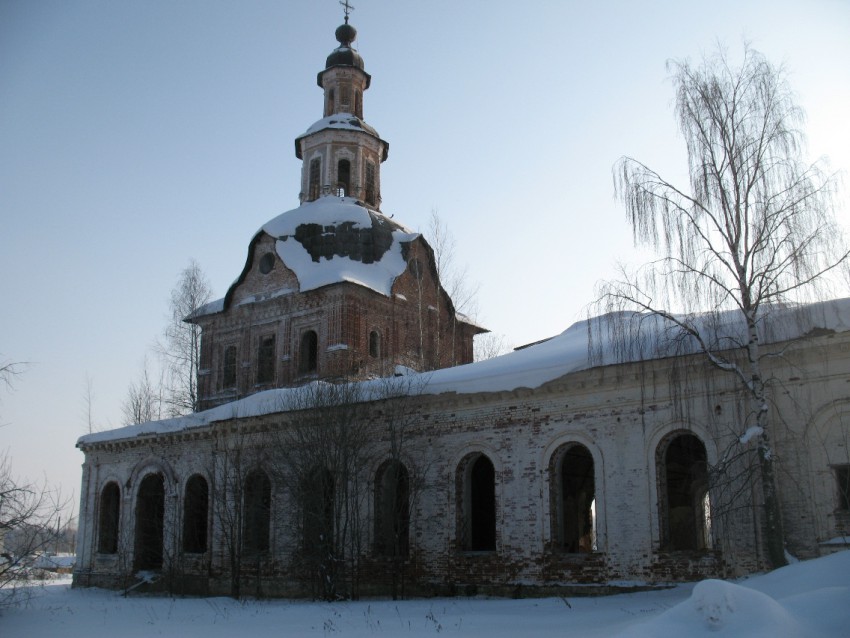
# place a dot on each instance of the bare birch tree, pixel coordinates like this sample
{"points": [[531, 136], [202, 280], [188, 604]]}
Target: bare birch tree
{"points": [[489, 345], [754, 230], [182, 348], [453, 276], [143, 402]]}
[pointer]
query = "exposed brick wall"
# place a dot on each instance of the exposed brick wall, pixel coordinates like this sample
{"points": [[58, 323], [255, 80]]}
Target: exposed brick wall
{"points": [[416, 325], [621, 414]]}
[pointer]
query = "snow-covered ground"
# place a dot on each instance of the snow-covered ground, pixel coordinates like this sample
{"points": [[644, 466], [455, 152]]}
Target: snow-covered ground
{"points": [[804, 600]]}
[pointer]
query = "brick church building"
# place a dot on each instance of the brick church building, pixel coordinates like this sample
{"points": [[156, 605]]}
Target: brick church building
{"points": [[346, 444], [334, 289]]}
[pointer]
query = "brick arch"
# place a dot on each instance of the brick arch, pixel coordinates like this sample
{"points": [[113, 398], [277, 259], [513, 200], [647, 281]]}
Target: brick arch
{"points": [[477, 498], [257, 493], [392, 508], [196, 513], [109, 517], [681, 467], [827, 443], [571, 474], [149, 528], [151, 465], [549, 461], [652, 441]]}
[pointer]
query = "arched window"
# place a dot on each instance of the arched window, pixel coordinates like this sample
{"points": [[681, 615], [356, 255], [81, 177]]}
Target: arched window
{"points": [[266, 359], [371, 184], [358, 103], [343, 178], [110, 509], [309, 354], [195, 515], [329, 108], [685, 509], [150, 513], [478, 506], [573, 494], [374, 344], [392, 510], [257, 513], [314, 179], [317, 506], [228, 368]]}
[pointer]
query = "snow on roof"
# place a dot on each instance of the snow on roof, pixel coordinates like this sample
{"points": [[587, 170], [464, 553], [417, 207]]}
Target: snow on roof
{"points": [[207, 309], [584, 345], [338, 216], [345, 121], [332, 240]]}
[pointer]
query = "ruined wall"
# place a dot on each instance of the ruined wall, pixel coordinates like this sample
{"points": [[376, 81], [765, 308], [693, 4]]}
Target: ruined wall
{"points": [[623, 415]]}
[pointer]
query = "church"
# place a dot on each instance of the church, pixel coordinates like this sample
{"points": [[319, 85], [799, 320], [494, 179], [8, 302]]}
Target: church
{"points": [[346, 444]]}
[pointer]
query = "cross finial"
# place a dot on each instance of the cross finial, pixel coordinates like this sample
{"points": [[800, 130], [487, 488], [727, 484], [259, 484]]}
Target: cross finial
{"points": [[348, 8]]}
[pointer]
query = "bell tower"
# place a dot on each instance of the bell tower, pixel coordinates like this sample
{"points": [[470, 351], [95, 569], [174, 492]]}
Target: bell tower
{"points": [[341, 154]]}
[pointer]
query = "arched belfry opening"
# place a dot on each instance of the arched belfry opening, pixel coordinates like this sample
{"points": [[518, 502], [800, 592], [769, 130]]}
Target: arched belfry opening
{"points": [[150, 514], [684, 503], [343, 178]]}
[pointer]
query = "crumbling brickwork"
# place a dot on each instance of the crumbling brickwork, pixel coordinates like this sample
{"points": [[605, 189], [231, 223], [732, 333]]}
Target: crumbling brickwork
{"points": [[622, 415]]}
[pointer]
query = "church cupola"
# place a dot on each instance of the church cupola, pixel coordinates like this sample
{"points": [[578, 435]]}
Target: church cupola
{"points": [[342, 154]]}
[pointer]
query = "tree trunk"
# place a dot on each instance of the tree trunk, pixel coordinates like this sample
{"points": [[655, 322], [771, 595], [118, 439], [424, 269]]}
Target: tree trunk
{"points": [[774, 536]]}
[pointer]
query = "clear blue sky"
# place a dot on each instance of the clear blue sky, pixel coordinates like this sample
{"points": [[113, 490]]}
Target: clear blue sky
{"points": [[137, 135]]}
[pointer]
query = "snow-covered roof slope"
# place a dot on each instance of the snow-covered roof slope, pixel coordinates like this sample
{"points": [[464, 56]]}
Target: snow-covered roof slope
{"points": [[329, 241], [344, 121], [585, 344], [333, 239]]}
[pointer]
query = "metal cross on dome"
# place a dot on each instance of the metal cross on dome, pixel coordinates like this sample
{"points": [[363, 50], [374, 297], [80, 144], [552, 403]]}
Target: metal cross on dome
{"points": [[347, 7]]}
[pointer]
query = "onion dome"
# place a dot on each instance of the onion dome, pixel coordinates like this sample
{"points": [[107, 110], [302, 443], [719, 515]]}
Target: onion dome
{"points": [[344, 54]]}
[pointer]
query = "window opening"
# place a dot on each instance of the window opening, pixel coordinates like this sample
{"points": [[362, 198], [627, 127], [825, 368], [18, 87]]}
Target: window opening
{"points": [[358, 103], [309, 352], [479, 508], [392, 518], [195, 515], [267, 263], [228, 368], [686, 507], [329, 108], [315, 170], [575, 500], [150, 511], [842, 480], [265, 359], [371, 191], [343, 178], [374, 344], [110, 507], [317, 499], [255, 527]]}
